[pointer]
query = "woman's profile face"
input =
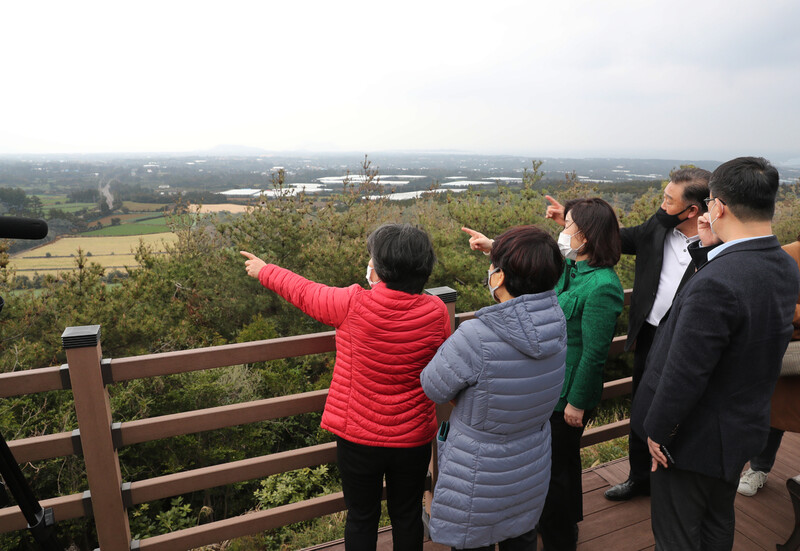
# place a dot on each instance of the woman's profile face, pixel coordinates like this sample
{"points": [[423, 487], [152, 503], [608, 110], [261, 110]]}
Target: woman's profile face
{"points": [[572, 229]]}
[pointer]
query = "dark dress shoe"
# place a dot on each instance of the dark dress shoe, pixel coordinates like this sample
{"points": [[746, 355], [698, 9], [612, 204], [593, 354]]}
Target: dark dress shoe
{"points": [[627, 490]]}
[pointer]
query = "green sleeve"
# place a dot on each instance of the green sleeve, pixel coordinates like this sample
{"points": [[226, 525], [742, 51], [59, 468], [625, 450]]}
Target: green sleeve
{"points": [[599, 319]]}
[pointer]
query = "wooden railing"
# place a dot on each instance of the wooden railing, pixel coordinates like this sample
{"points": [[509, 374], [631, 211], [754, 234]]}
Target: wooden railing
{"points": [[98, 438]]}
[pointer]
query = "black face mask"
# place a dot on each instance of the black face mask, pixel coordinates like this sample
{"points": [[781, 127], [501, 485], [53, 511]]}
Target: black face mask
{"points": [[670, 221]]}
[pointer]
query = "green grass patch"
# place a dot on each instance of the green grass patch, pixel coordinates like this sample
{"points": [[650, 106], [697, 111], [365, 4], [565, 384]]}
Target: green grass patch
{"points": [[592, 456], [50, 200], [70, 207], [610, 411]]}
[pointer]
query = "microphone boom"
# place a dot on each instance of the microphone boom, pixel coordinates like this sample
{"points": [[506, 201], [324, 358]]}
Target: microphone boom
{"points": [[13, 227]]}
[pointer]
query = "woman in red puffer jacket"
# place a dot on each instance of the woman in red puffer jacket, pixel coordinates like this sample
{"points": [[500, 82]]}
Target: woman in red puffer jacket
{"points": [[382, 419]]}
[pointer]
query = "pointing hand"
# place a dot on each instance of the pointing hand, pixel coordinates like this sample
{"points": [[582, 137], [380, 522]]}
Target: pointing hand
{"points": [[478, 241], [253, 264], [555, 211]]}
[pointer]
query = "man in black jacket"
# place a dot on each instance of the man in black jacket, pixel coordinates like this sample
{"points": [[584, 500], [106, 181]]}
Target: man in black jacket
{"points": [[662, 264], [703, 404]]}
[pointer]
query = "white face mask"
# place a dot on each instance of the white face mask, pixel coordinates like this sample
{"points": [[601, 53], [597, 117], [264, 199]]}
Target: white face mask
{"points": [[565, 246], [370, 269], [711, 222], [489, 274]]}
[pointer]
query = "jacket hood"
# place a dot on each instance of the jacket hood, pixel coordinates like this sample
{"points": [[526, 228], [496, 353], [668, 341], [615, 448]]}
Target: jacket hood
{"points": [[533, 324]]}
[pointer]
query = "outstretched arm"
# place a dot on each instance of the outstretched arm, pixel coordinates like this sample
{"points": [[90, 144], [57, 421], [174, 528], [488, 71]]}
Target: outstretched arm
{"points": [[323, 303]]}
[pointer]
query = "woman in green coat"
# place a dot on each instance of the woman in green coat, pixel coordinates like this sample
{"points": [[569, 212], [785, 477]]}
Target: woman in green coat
{"points": [[591, 296]]}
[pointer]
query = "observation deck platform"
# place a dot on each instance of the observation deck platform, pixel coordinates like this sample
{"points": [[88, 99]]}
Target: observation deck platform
{"points": [[762, 521]]}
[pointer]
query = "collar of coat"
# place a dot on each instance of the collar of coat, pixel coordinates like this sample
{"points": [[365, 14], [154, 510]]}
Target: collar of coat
{"points": [[581, 266]]}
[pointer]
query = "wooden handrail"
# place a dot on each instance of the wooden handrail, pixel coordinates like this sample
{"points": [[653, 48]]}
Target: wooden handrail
{"points": [[249, 523], [604, 433], [48, 446], [228, 473], [617, 388], [198, 359], [155, 428], [64, 508], [189, 422], [31, 381]]}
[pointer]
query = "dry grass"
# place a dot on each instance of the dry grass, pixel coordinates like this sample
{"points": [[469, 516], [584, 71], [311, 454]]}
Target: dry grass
{"points": [[224, 207], [109, 252]]}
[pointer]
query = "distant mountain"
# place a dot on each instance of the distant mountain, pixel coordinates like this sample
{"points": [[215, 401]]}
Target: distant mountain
{"points": [[233, 150]]}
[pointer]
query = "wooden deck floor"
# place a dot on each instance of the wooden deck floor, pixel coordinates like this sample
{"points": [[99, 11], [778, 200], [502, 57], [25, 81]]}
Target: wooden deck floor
{"points": [[762, 521]]}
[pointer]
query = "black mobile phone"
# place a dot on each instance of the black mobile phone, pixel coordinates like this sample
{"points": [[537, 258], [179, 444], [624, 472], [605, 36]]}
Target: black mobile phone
{"points": [[444, 428], [668, 455]]}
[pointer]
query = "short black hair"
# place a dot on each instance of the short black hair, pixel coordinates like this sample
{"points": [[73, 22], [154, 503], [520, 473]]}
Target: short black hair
{"points": [[748, 185], [694, 182], [598, 223], [529, 258], [403, 256]]}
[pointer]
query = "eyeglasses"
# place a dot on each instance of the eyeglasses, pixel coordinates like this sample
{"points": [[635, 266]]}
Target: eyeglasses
{"points": [[708, 201]]}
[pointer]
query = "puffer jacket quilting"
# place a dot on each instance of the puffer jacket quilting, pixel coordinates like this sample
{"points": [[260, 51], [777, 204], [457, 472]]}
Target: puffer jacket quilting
{"points": [[505, 371], [383, 340]]}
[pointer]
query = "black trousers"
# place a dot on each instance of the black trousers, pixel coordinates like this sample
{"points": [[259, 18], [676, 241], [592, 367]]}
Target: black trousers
{"points": [[638, 452], [563, 507], [766, 459], [524, 542], [363, 469], [691, 511]]}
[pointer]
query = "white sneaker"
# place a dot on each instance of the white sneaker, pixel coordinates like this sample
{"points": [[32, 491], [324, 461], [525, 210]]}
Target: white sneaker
{"points": [[751, 482]]}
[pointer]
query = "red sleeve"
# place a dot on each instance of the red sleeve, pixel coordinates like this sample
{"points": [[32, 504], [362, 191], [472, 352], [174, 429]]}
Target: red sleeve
{"points": [[448, 329], [323, 303]]}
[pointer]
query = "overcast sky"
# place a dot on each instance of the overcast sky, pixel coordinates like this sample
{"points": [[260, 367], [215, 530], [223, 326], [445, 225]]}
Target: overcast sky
{"points": [[679, 79]]}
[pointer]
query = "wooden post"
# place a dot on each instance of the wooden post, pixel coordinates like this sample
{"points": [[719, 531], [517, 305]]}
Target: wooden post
{"points": [[93, 409], [449, 297]]}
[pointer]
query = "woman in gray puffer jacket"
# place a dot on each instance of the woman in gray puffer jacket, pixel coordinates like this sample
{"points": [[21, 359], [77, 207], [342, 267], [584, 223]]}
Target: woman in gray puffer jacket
{"points": [[504, 371]]}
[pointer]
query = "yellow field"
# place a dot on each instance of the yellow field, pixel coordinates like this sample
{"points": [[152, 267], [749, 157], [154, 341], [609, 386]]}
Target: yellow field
{"points": [[109, 252], [224, 207]]}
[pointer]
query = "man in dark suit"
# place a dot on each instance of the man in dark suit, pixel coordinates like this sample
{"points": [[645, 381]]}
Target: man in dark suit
{"points": [[703, 404], [662, 265]]}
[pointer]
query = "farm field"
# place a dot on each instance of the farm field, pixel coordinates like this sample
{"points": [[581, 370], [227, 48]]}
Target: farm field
{"points": [[143, 207], [223, 207], [145, 224], [69, 207], [51, 200], [111, 252], [61, 202], [125, 218]]}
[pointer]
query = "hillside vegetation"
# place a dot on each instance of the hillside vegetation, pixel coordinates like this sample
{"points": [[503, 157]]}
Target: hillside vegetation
{"points": [[197, 294]]}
